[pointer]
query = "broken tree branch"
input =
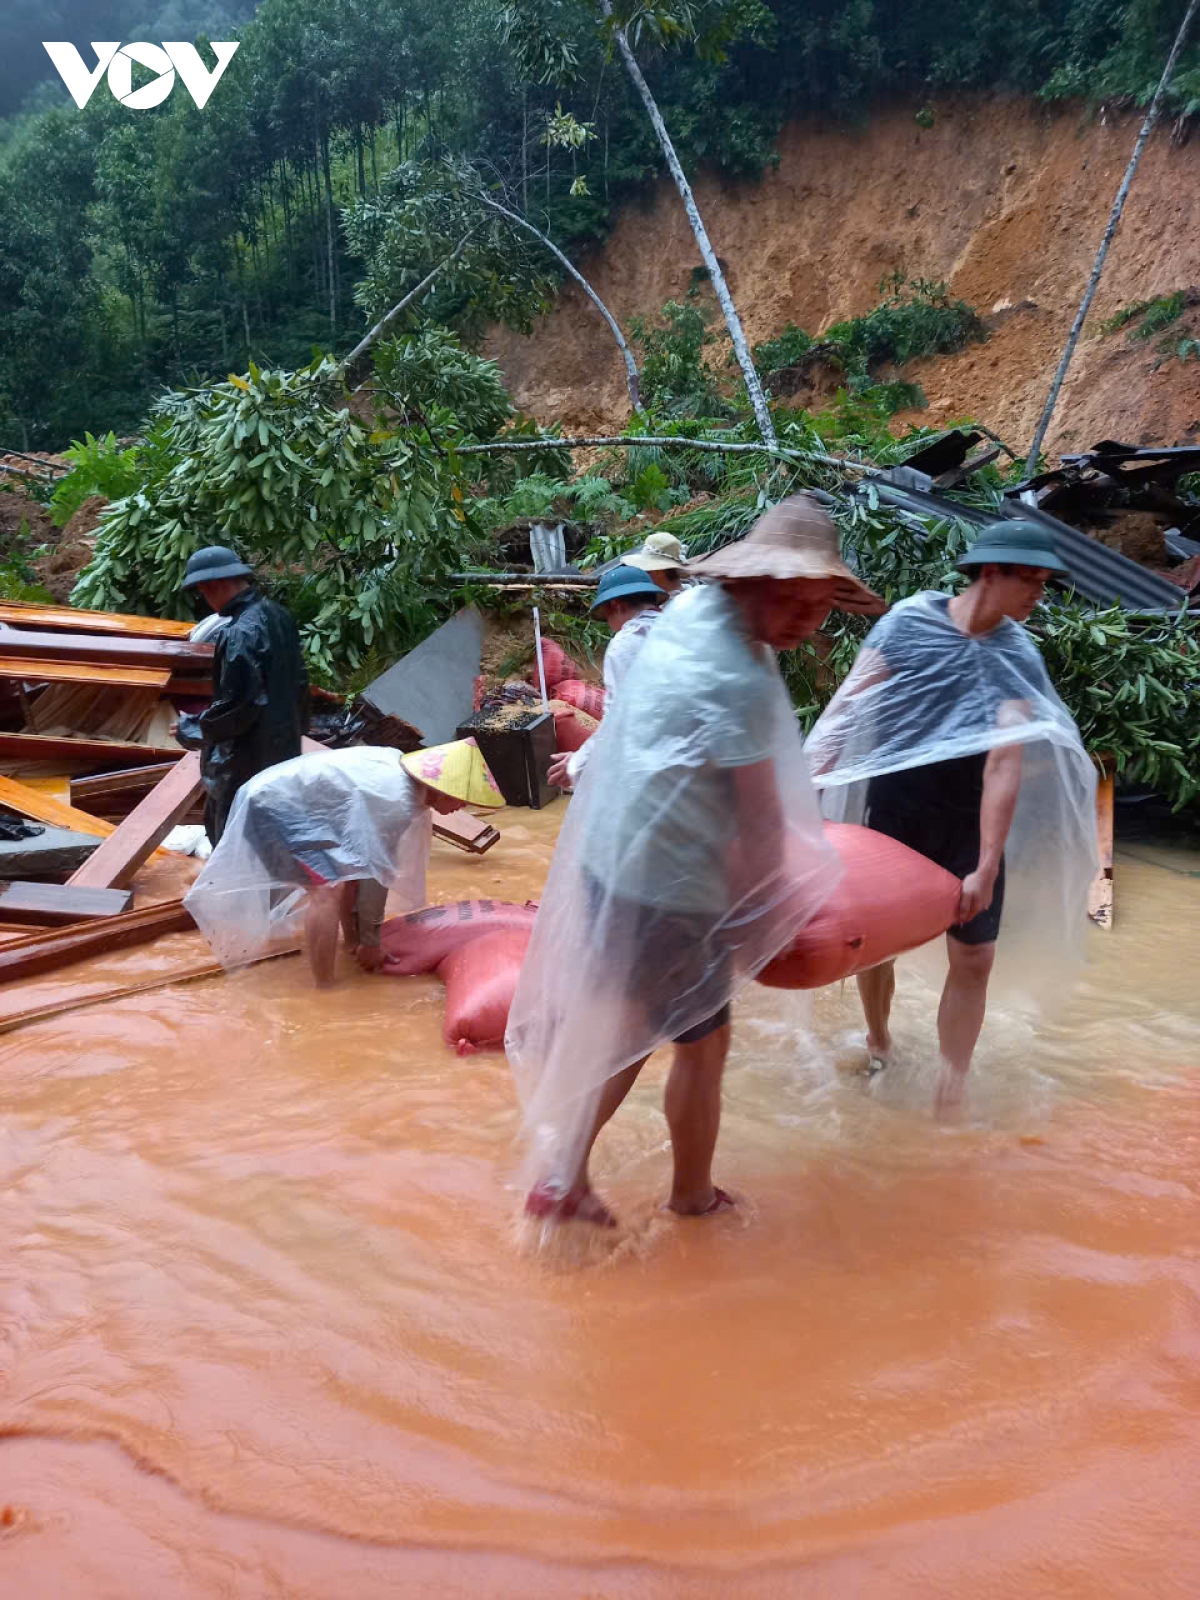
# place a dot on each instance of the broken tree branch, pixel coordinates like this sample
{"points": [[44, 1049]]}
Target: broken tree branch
{"points": [[632, 379], [578, 442], [1114, 219], [754, 388], [365, 343]]}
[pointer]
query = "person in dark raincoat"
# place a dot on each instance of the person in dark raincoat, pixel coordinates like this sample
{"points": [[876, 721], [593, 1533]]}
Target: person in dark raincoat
{"points": [[260, 705]]}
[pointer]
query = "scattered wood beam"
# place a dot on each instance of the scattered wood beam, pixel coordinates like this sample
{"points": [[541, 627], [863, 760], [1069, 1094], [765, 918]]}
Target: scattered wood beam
{"points": [[21, 614], [173, 655], [45, 808], [131, 780], [53, 905], [47, 952], [32, 669], [85, 753], [113, 865]]}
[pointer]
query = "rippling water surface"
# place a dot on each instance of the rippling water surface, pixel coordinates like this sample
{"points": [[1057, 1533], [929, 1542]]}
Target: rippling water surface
{"points": [[268, 1326]]}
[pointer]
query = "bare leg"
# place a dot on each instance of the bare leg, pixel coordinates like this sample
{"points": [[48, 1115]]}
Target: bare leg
{"points": [[579, 1201], [348, 915], [322, 920], [693, 1107], [875, 990], [960, 1016]]}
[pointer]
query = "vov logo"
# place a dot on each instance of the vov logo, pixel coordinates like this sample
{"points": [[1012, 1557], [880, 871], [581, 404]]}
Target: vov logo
{"points": [[118, 60]]}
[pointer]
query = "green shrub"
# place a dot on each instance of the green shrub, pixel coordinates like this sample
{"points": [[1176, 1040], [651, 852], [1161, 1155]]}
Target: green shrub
{"points": [[99, 466]]}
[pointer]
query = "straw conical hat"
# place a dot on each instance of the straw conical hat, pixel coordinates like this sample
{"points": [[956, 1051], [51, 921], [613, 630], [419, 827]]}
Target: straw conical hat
{"points": [[795, 539], [457, 769]]}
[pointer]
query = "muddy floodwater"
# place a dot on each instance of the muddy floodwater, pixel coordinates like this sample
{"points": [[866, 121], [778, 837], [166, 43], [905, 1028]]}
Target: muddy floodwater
{"points": [[269, 1326]]}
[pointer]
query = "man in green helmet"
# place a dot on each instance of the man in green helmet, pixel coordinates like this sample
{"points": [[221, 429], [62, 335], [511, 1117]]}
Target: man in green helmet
{"points": [[260, 705], [945, 722]]}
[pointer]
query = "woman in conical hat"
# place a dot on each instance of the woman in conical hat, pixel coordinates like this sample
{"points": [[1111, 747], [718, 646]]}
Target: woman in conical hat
{"points": [[322, 840]]}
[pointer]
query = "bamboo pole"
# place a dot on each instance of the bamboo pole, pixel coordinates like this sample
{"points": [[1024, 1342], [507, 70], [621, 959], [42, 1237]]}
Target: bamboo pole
{"points": [[1114, 219]]}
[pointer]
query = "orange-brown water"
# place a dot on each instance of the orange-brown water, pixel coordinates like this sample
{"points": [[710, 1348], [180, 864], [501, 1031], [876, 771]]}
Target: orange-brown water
{"points": [[268, 1329]]}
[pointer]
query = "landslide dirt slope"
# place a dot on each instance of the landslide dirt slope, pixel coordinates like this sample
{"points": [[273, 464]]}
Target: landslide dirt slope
{"points": [[1004, 198]]}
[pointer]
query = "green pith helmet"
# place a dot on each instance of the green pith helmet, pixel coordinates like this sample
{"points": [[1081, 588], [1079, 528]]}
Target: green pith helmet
{"points": [[1019, 543], [215, 561]]}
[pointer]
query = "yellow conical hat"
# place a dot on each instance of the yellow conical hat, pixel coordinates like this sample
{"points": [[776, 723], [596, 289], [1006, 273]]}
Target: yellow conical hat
{"points": [[457, 769]]}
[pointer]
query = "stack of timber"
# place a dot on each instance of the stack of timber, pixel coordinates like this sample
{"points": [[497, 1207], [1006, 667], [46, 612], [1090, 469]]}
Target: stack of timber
{"points": [[89, 764]]}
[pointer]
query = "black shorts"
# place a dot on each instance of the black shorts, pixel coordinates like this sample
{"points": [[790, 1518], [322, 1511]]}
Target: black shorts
{"points": [[954, 845], [684, 966]]}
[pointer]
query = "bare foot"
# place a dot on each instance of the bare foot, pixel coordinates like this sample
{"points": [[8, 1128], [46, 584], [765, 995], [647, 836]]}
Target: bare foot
{"points": [[577, 1205], [950, 1093], [879, 1053], [704, 1207]]}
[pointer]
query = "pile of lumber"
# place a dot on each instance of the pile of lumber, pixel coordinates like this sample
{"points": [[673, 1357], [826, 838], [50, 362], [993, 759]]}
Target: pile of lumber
{"points": [[87, 702]]}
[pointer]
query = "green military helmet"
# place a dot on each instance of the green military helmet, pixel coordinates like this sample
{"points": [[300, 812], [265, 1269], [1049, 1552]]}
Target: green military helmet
{"points": [[1019, 543]]}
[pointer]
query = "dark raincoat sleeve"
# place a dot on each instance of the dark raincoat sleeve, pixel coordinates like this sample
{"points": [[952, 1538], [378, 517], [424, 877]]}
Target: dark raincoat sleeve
{"points": [[370, 910]]}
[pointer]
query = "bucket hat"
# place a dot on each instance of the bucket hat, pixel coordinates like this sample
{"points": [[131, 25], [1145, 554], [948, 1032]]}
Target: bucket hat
{"points": [[214, 562], [619, 583], [662, 552], [794, 539], [1019, 543], [457, 769]]}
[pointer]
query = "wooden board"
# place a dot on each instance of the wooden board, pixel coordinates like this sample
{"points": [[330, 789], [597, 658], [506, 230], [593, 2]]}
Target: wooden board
{"points": [[29, 669], [46, 952], [177, 655], [20, 614], [44, 807], [82, 754], [51, 905], [56, 788], [131, 780], [1100, 896], [468, 832], [133, 841]]}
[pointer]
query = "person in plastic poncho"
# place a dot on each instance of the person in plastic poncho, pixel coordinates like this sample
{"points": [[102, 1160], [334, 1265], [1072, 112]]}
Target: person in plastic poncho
{"points": [[629, 602], [948, 736], [260, 704], [692, 853], [319, 841]]}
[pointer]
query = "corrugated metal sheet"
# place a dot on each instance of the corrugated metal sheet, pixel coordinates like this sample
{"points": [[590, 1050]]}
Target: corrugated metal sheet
{"points": [[1103, 576]]}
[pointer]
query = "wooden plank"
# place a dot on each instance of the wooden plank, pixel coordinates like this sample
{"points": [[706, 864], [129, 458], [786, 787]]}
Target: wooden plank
{"points": [[177, 655], [1100, 896], [468, 832], [51, 905], [29, 669], [22, 614], [45, 808], [47, 952], [83, 754], [56, 788], [133, 780], [113, 865], [190, 688]]}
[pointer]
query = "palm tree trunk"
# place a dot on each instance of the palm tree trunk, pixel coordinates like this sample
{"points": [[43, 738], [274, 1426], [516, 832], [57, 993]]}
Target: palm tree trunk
{"points": [[754, 388], [632, 381]]}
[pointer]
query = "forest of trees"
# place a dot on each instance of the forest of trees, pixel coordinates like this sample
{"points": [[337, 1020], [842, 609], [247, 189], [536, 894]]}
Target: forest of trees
{"points": [[168, 246]]}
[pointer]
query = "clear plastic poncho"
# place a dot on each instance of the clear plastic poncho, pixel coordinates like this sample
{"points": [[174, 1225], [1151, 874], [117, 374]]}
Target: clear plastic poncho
{"points": [[923, 691], [691, 854], [330, 817]]}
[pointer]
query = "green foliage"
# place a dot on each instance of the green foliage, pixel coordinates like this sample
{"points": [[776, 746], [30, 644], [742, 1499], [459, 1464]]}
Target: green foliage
{"points": [[18, 579], [359, 530], [100, 466], [1131, 685], [783, 351], [916, 318], [429, 371], [676, 379], [1151, 316]]}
